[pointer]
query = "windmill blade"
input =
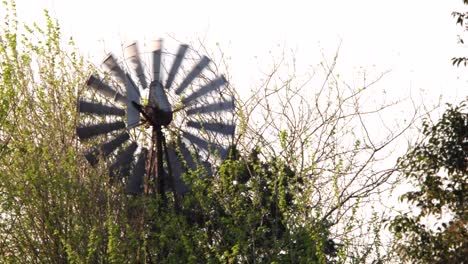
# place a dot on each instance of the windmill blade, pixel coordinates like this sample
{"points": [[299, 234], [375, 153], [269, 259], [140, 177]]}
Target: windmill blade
{"points": [[203, 144], [167, 182], [105, 89], [213, 85], [193, 74], [180, 160], [156, 52], [92, 156], [99, 109], [221, 128], [111, 64], [212, 108], [136, 179], [133, 96], [123, 162], [132, 56], [208, 168], [184, 153], [109, 147], [85, 132], [176, 65], [157, 95], [105, 149]]}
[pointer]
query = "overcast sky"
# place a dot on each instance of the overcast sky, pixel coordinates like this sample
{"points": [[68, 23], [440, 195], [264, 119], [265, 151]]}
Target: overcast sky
{"points": [[414, 39]]}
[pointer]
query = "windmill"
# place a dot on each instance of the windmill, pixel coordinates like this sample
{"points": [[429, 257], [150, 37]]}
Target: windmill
{"points": [[152, 128]]}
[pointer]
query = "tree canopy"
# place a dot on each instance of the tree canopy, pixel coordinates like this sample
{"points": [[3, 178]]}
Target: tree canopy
{"points": [[437, 168]]}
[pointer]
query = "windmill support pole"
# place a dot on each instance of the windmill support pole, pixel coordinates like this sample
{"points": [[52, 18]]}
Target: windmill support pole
{"points": [[159, 169], [150, 180]]}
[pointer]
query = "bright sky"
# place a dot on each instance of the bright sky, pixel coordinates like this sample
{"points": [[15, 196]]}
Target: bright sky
{"points": [[414, 39]]}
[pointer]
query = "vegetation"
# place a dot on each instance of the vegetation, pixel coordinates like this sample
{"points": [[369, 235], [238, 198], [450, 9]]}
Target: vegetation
{"points": [[298, 187], [461, 20], [437, 168], [44, 202]]}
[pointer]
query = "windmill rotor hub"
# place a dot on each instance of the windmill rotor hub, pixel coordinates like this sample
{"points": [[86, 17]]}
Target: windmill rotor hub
{"points": [[158, 117]]}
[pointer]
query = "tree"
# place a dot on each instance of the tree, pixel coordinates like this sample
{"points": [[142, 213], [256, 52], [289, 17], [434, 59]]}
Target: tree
{"points": [[45, 203], [335, 142], [438, 169], [306, 163]]}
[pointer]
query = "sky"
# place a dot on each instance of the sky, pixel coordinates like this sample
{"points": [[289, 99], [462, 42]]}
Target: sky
{"points": [[414, 40]]}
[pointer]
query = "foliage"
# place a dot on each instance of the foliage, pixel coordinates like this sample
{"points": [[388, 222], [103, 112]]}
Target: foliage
{"points": [[41, 189], [290, 193], [461, 18], [55, 208], [438, 167], [244, 215]]}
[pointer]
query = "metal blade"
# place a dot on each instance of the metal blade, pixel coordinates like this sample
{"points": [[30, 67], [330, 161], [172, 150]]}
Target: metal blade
{"points": [[111, 64], [105, 149], [92, 156], [193, 74], [105, 89], [208, 168], [155, 94], [85, 132], [121, 167], [132, 55], [109, 147], [156, 51], [213, 85], [221, 128], [184, 153], [167, 182], [177, 156], [136, 179], [212, 148], [133, 95], [176, 65], [212, 108], [99, 109]]}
